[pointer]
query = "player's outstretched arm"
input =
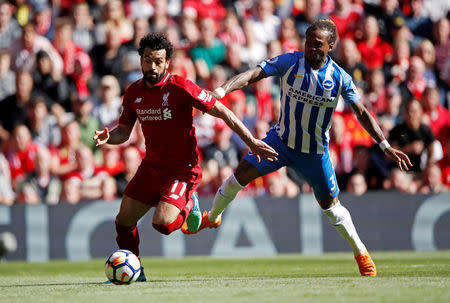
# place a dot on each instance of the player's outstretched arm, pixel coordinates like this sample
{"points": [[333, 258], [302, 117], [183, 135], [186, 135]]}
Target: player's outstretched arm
{"points": [[117, 136], [371, 126], [258, 147], [239, 81]]}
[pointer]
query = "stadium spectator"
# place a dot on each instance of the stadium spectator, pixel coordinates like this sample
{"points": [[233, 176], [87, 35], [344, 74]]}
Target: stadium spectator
{"points": [[210, 51], [350, 59], [253, 51], [131, 159], [266, 24], [135, 9], [43, 126], [10, 30], [40, 186], [374, 50], [107, 58], [444, 164], [441, 39], [431, 182], [7, 194], [190, 34], [400, 181], [231, 32], [106, 108], [182, 65], [82, 109], [397, 69], [435, 115], [199, 9], [425, 50], [7, 76], [356, 184], [289, 38], [108, 189], [21, 154], [23, 52], [13, 109], [54, 91], [161, 19], [90, 175], [393, 103], [311, 12], [414, 83], [71, 191], [364, 162], [375, 94], [347, 16], [114, 21], [388, 15], [222, 149], [43, 20], [63, 156], [341, 145], [413, 137], [238, 105], [83, 28], [140, 28], [419, 24]]}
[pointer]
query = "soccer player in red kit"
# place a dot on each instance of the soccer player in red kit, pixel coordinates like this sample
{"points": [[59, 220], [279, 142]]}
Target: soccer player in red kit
{"points": [[169, 173]]}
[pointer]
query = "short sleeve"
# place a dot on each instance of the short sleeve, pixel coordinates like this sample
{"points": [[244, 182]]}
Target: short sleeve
{"points": [[349, 92], [127, 113], [278, 66], [199, 98]]}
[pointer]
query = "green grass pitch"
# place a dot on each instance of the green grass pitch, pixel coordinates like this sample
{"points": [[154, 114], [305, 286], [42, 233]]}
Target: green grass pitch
{"points": [[403, 277]]}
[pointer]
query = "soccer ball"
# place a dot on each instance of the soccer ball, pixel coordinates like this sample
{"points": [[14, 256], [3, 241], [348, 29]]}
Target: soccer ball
{"points": [[122, 267]]}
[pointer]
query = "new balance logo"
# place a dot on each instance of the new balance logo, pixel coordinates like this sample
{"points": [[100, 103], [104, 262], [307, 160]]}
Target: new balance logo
{"points": [[167, 114], [138, 100], [165, 99]]}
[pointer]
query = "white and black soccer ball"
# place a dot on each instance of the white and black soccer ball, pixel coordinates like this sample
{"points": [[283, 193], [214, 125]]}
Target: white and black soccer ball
{"points": [[122, 267]]}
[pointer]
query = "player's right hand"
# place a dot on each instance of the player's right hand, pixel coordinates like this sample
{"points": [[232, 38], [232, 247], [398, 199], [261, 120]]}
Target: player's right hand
{"points": [[262, 150], [101, 136]]}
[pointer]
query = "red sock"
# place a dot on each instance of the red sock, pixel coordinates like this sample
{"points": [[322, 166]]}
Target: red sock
{"points": [[128, 238], [167, 229]]}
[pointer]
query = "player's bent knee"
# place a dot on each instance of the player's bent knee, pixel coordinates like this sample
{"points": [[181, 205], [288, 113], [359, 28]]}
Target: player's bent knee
{"points": [[327, 203], [165, 229]]}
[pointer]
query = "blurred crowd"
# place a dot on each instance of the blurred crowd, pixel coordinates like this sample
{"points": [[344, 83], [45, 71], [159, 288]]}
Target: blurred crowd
{"points": [[64, 66]]}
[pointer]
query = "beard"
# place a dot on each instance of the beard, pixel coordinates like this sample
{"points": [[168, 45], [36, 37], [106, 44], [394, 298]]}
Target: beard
{"points": [[152, 78], [316, 58]]}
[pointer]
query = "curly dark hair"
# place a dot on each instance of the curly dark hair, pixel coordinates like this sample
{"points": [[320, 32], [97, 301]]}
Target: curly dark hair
{"points": [[326, 25], [156, 41]]}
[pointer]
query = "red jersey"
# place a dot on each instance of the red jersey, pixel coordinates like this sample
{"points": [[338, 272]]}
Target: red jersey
{"points": [[165, 114]]}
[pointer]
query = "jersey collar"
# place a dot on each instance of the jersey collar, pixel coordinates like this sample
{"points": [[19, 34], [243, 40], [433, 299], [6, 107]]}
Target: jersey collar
{"points": [[163, 80]]}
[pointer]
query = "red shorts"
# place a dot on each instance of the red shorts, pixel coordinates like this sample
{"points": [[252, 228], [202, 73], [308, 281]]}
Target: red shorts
{"points": [[172, 185]]}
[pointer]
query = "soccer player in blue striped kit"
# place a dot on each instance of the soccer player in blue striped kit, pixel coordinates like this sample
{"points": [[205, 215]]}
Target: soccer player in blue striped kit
{"points": [[311, 83]]}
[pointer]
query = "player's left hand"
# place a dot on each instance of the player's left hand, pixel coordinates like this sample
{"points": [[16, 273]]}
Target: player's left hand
{"points": [[399, 157], [261, 150]]}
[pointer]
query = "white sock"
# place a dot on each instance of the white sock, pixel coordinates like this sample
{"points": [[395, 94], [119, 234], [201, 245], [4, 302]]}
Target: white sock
{"points": [[226, 193], [342, 221]]}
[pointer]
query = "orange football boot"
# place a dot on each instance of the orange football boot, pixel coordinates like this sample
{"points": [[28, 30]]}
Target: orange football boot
{"points": [[205, 224], [366, 265]]}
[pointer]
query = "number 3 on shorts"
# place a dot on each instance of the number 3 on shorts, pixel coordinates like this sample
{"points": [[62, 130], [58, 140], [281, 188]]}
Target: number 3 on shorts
{"points": [[333, 188]]}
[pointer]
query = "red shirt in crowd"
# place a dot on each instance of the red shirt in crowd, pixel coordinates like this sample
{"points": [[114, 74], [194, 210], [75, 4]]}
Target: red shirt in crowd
{"points": [[165, 114], [373, 55], [346, 25], [22, 162], [359, 136], [204, 8], [439, 124]]}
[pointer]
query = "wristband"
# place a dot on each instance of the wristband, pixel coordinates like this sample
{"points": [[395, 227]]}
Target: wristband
{"points": [[384, 144], [220, 92]]}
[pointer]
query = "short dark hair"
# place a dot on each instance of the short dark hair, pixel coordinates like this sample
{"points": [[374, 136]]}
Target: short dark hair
{"points": [[156, 41], [326, 25]]}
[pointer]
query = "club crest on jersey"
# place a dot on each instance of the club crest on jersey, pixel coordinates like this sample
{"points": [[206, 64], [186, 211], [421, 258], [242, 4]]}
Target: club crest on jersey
{"points": [[328, 84], [138, 100], [166, 99]]}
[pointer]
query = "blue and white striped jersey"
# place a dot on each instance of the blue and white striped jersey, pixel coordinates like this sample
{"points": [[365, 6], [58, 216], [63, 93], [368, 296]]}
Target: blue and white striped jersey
{"points": [[308, 100]]}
